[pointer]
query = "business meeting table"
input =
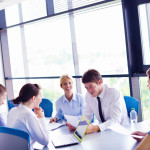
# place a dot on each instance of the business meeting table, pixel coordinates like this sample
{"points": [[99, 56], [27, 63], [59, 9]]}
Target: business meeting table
{"points": [[105, 140]]}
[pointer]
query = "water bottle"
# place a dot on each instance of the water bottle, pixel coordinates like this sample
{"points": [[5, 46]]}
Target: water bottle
{"points": [[133, 119]]}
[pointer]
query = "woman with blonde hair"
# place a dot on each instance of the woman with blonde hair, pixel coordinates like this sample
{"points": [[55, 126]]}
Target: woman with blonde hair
{"points": [[70, 103]]}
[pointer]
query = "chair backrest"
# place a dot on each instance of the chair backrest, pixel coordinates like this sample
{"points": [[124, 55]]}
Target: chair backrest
{"points": [[131, 102], [47, 106], [14, 139], [10, 104]]}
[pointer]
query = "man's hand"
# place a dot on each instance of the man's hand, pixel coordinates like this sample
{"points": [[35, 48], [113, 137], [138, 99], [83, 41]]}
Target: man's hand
{"points": [[92, 128], [71, 128], [140, 134]]}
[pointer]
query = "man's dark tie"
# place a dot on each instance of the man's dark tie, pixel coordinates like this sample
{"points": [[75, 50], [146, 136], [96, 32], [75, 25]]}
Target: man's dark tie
{"points": [[100, 109]]}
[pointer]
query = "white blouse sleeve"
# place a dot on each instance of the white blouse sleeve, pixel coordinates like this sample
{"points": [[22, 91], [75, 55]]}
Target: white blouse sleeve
{"points": [[38, 130]]}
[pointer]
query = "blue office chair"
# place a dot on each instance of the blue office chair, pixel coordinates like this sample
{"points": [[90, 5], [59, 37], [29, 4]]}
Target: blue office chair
{"points": [[131, 102], [11, 104], [14, 139], [47, 106]]}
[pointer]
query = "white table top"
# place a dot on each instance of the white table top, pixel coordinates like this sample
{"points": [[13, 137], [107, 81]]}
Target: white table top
{"points": [[105, 140]]}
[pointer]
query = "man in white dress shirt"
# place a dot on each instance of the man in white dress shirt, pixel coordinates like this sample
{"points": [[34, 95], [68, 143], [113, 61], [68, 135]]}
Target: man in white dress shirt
{"points": [[111, 102]]}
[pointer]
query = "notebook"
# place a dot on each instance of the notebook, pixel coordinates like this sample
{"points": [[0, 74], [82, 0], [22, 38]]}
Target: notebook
{"points": [[71, 139]]}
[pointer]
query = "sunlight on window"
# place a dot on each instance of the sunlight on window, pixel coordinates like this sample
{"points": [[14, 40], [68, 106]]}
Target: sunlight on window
{"points": [[32, 9], [99, 37], [144, 15], [101, 41], [49, 48], [15, 51], [12, 15]]}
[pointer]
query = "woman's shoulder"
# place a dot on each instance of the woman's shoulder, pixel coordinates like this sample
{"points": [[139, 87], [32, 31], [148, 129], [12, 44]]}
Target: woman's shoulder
{"points": [[19, 110], [60, 99], [13, 110]]}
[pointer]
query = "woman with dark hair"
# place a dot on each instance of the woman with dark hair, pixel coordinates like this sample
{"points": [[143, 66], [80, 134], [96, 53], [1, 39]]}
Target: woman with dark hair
{"points": [[22, 117], [3, 94]]}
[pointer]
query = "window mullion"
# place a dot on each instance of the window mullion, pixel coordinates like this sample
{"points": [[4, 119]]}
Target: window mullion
{"points": [[74, 47]]}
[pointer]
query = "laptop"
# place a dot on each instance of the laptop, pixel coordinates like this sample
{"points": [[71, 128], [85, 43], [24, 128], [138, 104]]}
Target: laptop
{"points": [[72, 139]]}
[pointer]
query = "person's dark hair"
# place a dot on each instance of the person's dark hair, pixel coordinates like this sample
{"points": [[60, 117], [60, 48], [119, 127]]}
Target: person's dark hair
{"points": [[91, 75], [2, 89], [27, 92], [148, 73]]}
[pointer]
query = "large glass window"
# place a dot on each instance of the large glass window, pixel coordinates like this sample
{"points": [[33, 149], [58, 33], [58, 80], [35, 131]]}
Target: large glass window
{"points": [[12, 11], [60, 5], [49, 49], [101, 41], [15, 51], [32, 9], [144, 17], [45, 47]]}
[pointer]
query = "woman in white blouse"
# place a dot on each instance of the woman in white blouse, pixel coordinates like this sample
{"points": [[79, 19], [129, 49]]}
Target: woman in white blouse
{"points": [[22, 117]]}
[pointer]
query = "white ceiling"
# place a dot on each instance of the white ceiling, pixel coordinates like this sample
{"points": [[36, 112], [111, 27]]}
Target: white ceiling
{"points": [[6, 3]]}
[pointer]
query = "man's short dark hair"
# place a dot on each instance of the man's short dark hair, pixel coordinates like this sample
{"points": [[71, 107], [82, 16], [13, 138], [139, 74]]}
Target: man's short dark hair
{"points": [[91, 75]]}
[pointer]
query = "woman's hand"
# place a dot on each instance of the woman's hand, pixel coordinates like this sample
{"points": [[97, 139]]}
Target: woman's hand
{"points": [[39, 112], [53, 120], [139, 133], [71, 128]]}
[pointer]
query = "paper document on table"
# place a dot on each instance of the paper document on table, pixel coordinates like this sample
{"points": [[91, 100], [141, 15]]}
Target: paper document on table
{"points": [[120, 129], [55, 125], [143, 126], [73, 120]]}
